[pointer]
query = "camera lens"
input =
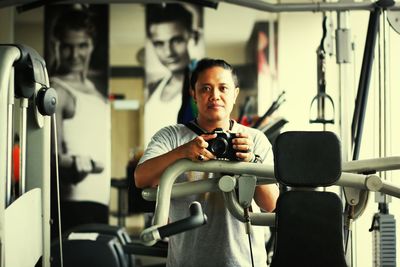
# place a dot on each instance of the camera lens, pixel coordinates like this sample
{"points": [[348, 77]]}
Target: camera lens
{"points": [[219, 146]]}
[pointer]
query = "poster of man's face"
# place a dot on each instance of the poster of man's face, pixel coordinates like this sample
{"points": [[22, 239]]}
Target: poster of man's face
{"points": [[174, 42], [174, 38], [76, 53], [76, 41]]}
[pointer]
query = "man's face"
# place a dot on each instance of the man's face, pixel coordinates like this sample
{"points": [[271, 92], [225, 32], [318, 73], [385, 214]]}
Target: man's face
{"points": [[215, 94], [170, 41], [75, 50]]}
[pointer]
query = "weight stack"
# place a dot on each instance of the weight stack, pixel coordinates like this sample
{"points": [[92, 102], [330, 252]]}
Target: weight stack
{"points": [[384, 240]]}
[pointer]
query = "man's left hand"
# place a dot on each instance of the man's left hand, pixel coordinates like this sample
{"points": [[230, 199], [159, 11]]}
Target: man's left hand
{"points": [[243, 145]]}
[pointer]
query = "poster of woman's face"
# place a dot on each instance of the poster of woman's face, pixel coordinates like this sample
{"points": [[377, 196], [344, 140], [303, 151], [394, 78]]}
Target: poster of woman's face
{"points": [[76, 42]]}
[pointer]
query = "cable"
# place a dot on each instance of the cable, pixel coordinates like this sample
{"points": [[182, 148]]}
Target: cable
{"points": [[248, 231], [251, 251], [58, 186]]}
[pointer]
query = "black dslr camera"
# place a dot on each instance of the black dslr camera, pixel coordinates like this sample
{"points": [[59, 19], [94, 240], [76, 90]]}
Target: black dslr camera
{"points": [[221, 146]]}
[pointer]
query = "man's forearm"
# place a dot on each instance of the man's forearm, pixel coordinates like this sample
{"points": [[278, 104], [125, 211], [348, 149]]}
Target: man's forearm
{"points": [[147, 174], [266, 196]]}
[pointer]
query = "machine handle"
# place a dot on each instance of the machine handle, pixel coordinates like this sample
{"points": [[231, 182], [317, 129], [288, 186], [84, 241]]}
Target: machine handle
{"points": [[197, 218]]}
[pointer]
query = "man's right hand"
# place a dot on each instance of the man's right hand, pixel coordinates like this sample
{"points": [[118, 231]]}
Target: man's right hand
{"points": [[82, 166], [148, 173], [196, 150]]}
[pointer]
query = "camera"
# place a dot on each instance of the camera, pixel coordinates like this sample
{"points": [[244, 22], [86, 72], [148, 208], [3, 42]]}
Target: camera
{"points": [[221, 146]]}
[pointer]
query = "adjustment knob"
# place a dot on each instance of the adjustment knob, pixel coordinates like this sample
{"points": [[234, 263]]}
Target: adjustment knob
{"points": [[46, 101]]}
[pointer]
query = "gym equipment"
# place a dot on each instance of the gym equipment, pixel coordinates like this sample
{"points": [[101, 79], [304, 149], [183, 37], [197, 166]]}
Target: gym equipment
{"points": [[112, 246], [357, 124], [273, 128], [244, 109], [122, 236], [136, 204], [309, 223], [384, 237], [319, 111], [274, 106], [265, 174], [122, 186], [24, 80], [90, 249]]}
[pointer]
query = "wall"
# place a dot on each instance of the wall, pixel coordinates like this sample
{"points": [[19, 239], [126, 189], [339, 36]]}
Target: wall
{"points": [[126, 125], [127, 29], [299, 36], [127, 38], [226, 32], [7, 22]]}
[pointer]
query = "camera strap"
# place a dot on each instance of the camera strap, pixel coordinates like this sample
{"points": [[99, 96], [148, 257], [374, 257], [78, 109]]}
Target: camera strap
{"points": [[192, 125]]}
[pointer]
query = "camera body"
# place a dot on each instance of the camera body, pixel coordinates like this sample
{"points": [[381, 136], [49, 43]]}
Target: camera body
{"points": [[222, 146]]}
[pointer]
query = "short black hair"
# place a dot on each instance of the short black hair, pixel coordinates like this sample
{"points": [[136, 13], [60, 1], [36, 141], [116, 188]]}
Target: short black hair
{"points": [[207, 63], [159, 13], [74, 19]]}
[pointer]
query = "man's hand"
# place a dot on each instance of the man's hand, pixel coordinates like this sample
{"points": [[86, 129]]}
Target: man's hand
{"points": [[243, 144], [196, 150], [83, 165]]}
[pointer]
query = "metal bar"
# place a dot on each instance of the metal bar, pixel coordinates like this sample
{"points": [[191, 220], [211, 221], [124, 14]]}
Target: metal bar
{"points": [[195, 187], [372, 165], [253, 4], [22, 136], [363, 85], [9, 129], [232, 204], [171, 173], [38, 168], [168, 178], [390, 189], [210, 185], [184, 189], [352, 180], [311, 7], [8, 55]]}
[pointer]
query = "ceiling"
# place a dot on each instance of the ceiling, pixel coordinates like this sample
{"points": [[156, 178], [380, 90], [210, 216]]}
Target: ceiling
{"points": [[261, 5], [229, 23]]}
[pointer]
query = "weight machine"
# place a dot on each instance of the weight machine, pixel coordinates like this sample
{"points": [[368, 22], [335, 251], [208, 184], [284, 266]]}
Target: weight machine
{"points": [[25, 221], [265, 174]]}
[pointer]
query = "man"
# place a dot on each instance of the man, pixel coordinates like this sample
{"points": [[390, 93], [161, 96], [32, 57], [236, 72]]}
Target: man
{"points": [[170, 29], [82, 124], [222, 241]]}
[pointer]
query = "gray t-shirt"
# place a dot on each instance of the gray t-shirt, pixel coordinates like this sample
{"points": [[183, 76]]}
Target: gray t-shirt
{"points": [[223, 240]]}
